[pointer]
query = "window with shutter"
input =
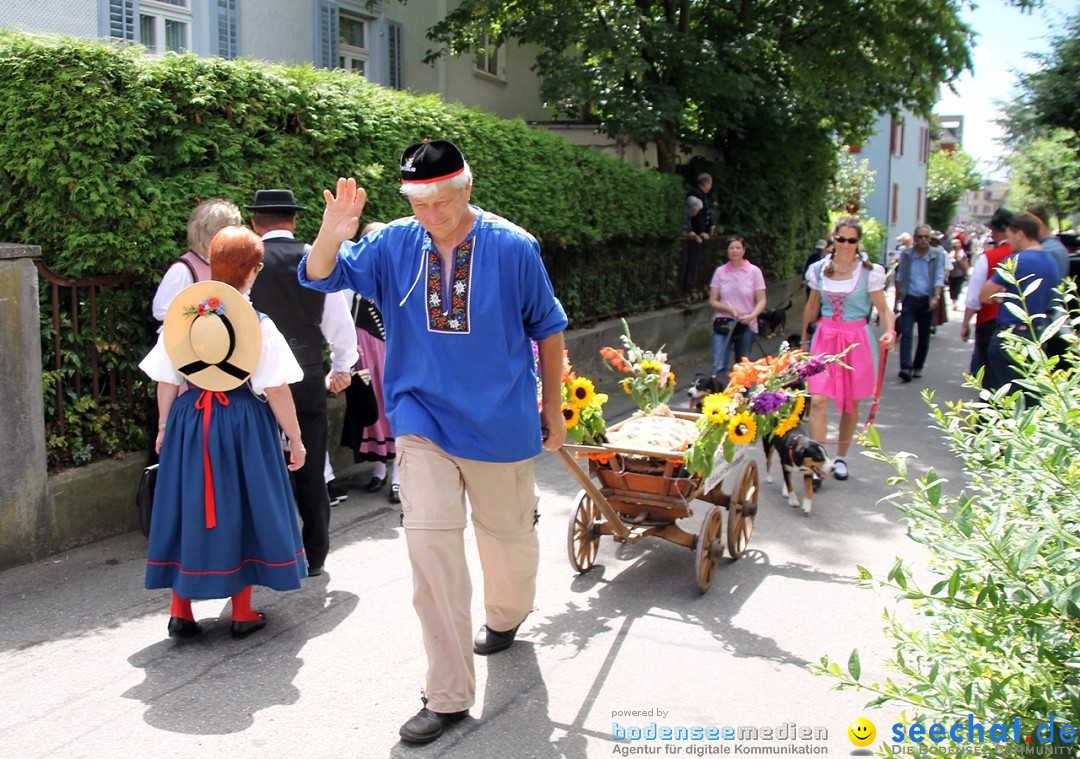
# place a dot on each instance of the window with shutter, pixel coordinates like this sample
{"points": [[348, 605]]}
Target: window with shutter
{"points": [[226, 29], [393, 49], [120, 23], [329, 32]]}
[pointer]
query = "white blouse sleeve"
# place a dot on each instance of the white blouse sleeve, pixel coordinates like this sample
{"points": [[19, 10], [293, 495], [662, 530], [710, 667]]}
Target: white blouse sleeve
{"points": [[813, 274], [277, 364], [157, 365], [877, 278]]}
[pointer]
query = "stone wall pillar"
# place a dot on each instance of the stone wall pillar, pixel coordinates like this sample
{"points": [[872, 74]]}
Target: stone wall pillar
{"points": [[24, 514]]}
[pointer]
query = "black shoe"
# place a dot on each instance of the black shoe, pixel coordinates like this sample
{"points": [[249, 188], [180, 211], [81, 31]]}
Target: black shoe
{"points": [[490, 641], [315, 571], [183, 628], [905, 375], [336, 492], [376, 484], [395, 493], [427, 725], [244, 629]]}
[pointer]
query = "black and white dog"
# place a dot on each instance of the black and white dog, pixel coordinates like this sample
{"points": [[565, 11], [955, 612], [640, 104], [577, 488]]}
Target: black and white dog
{"points": [[772, 321], [705, 384], [799, 454]]}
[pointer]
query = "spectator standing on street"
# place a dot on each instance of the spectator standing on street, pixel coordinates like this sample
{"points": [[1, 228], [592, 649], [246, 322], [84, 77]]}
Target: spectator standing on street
{"points": [[701, 227], [307, 319], [958, 272], [820, 251], [1032, 264], [920, 279], [737, 292], [693, 210], [1048, 241], [463, 293], [985, 313]]}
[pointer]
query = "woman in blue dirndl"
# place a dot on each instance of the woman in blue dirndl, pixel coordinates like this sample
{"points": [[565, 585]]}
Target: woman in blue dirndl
{"points": [[224, 518]]}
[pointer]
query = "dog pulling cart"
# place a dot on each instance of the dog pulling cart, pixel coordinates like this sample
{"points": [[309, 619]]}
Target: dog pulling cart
{"points": [[639, 493]]}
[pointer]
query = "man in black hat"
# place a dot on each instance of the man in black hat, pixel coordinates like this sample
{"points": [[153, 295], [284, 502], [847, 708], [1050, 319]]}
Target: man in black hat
{"points": [[985, 313], [306, 318], [463, 294]]}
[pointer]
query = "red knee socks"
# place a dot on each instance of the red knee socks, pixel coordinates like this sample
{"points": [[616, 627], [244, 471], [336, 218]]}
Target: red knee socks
{"points": [[241, 607], [181, 607]]}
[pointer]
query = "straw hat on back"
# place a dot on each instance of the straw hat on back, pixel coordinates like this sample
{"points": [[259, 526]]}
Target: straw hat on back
{"points": [[212, 336]]}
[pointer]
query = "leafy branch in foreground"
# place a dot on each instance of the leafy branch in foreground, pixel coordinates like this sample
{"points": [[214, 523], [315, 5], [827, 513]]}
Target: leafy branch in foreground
{"points": [[1000, 626]]}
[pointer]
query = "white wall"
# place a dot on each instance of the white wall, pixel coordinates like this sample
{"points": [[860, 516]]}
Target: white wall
{"points": [[76, 18]]}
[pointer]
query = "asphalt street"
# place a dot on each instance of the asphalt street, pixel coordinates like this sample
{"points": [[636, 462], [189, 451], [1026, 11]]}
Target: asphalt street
{"points": [[632, 646]]}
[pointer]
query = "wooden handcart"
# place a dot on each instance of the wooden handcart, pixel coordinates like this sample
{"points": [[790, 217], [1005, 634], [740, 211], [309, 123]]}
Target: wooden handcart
{"points": [[630, 505]]}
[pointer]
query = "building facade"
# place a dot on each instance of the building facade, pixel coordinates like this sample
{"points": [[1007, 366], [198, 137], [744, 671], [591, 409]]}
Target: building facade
{"points": [[386, 42], [979, 205], [898, 153]]}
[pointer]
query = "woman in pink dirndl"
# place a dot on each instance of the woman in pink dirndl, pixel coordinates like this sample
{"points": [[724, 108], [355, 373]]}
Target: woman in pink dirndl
{"points": [[844, 288]]}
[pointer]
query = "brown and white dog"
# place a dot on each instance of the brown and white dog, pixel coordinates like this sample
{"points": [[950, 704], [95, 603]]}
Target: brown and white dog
{"points": [[799, 454]]}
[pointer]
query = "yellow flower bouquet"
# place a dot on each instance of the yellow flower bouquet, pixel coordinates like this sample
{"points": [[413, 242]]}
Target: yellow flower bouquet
{"points": [[763, 397], [582, 407], [651, 381]]}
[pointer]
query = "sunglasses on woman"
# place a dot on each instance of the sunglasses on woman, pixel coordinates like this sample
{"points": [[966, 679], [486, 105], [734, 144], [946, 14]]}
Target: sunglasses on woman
{"points": [[851, 240]]}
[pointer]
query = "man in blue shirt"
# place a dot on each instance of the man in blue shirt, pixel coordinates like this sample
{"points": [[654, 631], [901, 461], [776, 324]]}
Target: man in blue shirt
{"points": [[920, 278], [463, 293], [1031, 263]]}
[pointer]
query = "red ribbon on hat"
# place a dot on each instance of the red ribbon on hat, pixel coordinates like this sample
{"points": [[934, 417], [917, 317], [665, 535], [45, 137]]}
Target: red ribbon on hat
{"points": [[205, 404]]}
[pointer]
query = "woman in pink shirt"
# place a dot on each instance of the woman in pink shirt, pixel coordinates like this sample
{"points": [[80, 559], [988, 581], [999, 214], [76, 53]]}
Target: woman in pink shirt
{"points": [[737, 292]]}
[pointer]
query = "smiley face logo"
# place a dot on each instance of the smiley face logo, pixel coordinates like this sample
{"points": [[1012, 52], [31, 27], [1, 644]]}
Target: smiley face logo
{"points": [[862, 732]]}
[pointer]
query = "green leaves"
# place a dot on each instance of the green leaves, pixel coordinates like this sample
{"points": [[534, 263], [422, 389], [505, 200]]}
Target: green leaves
{"points": [[997, 632]]}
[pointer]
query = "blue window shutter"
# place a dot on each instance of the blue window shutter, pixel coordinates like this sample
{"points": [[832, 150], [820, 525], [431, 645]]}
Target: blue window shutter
{"points": [[329, 35], [120, 18], [396, 80], [226, 39]]}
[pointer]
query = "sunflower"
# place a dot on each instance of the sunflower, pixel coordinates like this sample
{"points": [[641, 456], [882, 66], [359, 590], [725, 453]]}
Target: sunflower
{"points": [[627, 386], [648, 365], [715, 407], [582, 392], [742, 428], [571, 414], [793, 419]]}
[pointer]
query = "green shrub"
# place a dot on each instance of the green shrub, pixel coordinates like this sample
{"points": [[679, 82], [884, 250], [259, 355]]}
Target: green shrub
{"points": [[106, 151], [1000, 634]]}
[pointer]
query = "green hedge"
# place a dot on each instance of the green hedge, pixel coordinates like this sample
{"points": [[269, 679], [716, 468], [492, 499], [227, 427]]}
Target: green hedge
{"points": [[106, 151]]}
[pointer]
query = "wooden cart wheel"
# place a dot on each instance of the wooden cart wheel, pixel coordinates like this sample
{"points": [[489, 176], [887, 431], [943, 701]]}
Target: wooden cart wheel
{"points": [[583, 537], [742, 511], [709, 547]]}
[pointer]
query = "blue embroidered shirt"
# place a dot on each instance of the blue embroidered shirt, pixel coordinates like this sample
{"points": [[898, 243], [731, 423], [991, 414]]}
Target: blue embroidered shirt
{"points": [[459, 365]]}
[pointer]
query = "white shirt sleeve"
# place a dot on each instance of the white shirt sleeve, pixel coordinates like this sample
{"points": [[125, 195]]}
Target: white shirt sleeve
{"points": [[877, 278], [176, 278], [976, 280], [277, 364], [338, 330], [157, 365]]}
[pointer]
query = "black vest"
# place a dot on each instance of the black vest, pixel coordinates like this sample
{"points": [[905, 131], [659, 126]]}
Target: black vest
{"points": [[296, 310]]}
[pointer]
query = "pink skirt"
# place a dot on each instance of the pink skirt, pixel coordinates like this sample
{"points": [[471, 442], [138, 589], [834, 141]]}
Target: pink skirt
{"points": [[838, 382]]}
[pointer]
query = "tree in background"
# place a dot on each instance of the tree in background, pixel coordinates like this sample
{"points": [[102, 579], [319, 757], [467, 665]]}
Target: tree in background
{"points": [[683, 72], [852, 183], [1046, 172], [1043, 127], [949, 175]]}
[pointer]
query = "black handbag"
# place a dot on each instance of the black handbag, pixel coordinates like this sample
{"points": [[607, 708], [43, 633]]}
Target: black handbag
{"points": [[144, 498], [722, 325]]}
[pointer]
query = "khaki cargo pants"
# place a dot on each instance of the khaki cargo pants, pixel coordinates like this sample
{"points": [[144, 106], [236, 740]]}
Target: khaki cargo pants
{"points": [[503, 498]]}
